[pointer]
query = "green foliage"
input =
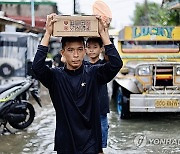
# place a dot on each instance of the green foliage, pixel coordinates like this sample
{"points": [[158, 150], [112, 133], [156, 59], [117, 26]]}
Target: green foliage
{"points": [[153, 14]]}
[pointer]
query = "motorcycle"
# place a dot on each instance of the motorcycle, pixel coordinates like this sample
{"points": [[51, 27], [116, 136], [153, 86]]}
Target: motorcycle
{"points": [[15, 108]]}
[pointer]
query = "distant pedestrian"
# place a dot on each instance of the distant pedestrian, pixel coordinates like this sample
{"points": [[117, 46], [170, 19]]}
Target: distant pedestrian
{"points": [[57, 62]]}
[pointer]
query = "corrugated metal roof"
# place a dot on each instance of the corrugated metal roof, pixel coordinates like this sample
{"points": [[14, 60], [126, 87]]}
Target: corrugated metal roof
{"points": [[10, 21], [20, 24]]}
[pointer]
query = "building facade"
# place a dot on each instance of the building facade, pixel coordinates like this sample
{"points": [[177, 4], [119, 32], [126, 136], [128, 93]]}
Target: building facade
{"points": [[22, 11]]}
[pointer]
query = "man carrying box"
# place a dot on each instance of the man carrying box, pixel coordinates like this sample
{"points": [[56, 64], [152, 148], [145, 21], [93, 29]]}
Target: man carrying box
{"points": [[74, 90]]}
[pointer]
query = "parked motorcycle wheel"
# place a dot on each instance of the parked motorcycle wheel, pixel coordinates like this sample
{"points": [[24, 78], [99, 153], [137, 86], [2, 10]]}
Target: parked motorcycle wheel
{"points": [[30, 114], [6, 70]]}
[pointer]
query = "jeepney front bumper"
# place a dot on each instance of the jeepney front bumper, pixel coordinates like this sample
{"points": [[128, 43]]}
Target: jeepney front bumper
{"points": [[154, 103]]}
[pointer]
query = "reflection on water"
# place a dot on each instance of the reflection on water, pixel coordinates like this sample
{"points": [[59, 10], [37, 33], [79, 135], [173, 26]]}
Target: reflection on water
{"points": [[37, 138], [43, 133], [159, 130], [141, 134]]}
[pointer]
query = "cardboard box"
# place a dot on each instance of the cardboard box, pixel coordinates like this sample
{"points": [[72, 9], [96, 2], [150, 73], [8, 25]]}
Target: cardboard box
{"points": [[76, 26]]}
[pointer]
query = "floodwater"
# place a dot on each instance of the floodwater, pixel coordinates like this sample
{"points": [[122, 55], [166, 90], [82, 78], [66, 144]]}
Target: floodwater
{"points": [[143, 133]]}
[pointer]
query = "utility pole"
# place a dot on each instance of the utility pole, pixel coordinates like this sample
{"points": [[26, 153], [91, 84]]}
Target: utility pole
{"points": [[76, 7], [32, 14]]}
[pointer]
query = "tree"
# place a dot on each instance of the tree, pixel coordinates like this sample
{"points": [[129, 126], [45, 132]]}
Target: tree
{"points": [[153, 14]]}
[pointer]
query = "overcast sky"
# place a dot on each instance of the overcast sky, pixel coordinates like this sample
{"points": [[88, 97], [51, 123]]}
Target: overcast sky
{"points": [[122, 10]]}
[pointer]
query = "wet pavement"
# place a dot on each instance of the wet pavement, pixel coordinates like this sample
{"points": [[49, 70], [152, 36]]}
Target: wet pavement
{"points": [[143, 133]]}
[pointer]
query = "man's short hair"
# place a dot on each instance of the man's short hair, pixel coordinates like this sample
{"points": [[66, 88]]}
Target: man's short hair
{"points": [[64, 40], [95, 40]]}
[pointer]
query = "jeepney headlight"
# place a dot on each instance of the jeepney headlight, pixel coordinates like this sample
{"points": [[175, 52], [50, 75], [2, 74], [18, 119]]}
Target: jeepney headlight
{"points": [[178, 70], [144, 70]]}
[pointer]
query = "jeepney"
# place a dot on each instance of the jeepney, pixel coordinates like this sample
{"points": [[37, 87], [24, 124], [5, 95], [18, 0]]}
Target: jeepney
{"points": [[150, 78], [17, 50]]}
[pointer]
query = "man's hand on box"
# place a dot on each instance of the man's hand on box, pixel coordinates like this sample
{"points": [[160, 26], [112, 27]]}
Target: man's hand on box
{"points": [[106, 21], [49, 23], [49, 29], [103, 26]]}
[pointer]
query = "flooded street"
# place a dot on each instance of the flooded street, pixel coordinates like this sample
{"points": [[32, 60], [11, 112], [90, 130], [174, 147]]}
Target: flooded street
{"points": [[143, 133]]}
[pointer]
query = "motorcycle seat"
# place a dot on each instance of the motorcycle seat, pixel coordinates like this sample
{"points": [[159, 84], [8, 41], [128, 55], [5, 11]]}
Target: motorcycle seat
{"points": [[9, 86]]}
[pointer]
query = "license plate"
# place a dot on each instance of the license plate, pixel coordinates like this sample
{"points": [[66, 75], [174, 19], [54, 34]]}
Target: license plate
{"points": [[167, 103]]}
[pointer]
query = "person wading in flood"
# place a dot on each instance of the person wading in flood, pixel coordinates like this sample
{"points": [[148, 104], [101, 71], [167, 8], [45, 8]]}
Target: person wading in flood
{"points": [[94, 47], [74, 90]]}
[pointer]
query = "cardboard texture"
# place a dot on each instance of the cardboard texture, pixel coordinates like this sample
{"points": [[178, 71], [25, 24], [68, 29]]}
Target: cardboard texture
{"points": [[76, 26]]}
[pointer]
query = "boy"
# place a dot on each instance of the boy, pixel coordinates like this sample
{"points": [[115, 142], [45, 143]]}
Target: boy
{"points": [[74, 90], [94, 47]]}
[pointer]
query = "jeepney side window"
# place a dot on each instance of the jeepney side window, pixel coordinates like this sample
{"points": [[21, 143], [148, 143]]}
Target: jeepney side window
{"points": [[150, 46], [128, 44], [168, 44]]}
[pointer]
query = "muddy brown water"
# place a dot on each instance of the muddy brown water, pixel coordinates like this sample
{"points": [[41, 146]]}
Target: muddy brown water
{"points": [[143, 133]]}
